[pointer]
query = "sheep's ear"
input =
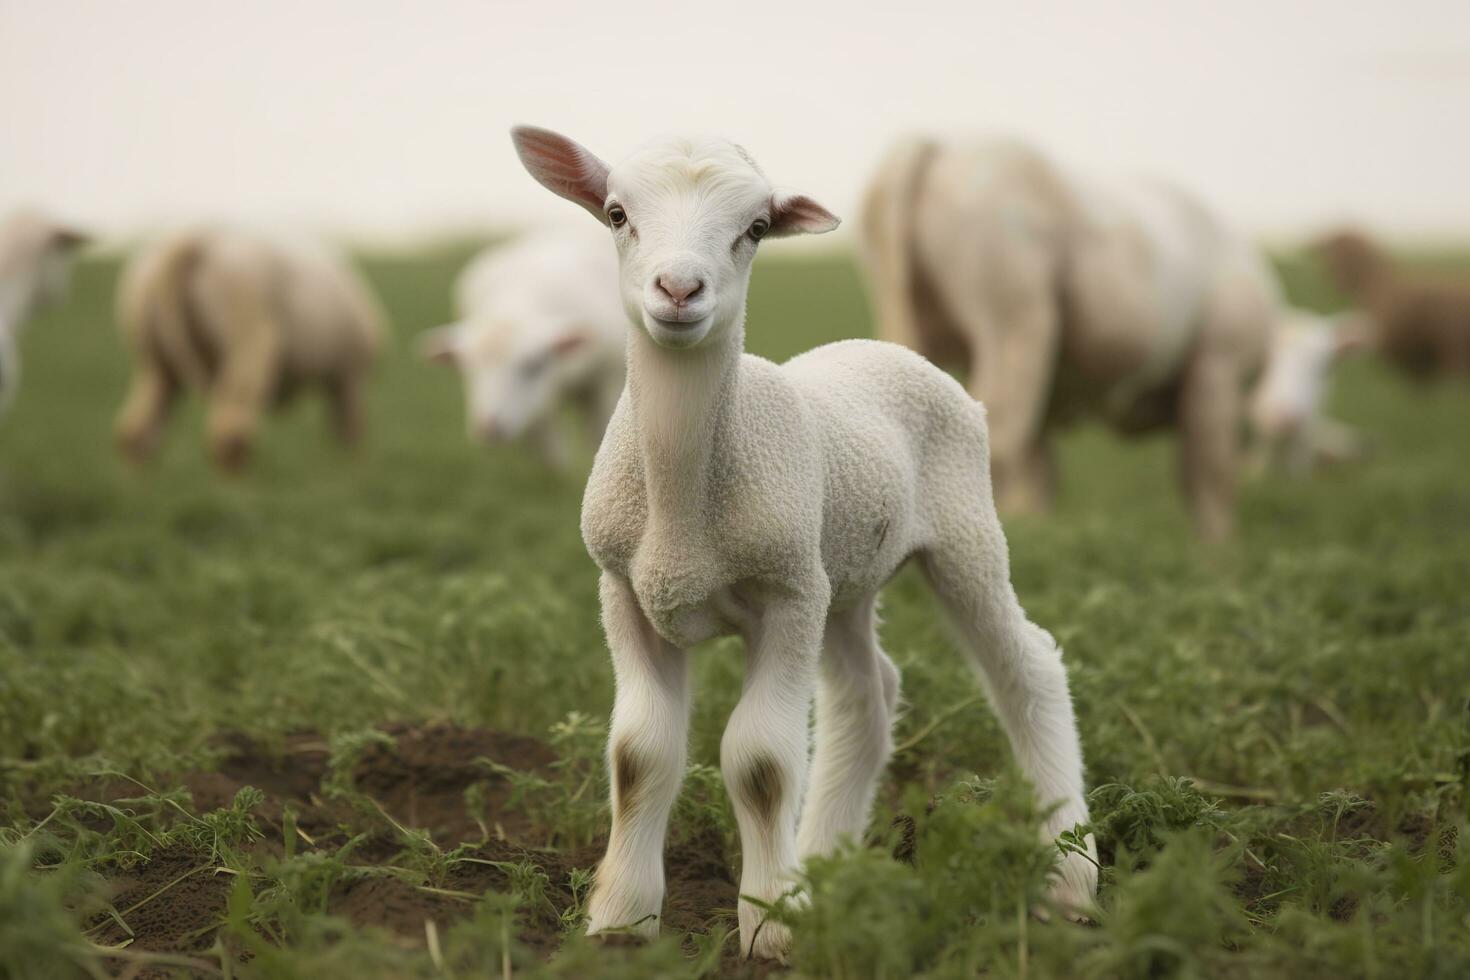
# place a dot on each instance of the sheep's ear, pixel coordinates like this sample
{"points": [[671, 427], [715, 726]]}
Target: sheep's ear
{"points": [[440, 345], [1353, 331], [797, 214], [563, 167], [570, 341], [66, 238]]}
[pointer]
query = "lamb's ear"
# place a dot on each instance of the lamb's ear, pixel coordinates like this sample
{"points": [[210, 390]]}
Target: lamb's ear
{"points": [[797, 214], [441, 344], [1353, 331], [563, 167]]}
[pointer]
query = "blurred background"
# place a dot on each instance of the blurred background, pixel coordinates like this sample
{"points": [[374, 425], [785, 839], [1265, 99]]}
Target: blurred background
{"points": [[345, 699], [388, 121]]}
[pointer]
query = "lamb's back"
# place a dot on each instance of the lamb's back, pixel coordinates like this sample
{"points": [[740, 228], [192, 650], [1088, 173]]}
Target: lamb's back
{"points": [[893, 427]]}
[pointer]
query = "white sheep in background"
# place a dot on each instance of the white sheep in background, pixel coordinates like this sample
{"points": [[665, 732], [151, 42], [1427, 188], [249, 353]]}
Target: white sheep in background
{"points": [[1126, 301], [735, 496], [1288, 426], [541, 325], [247, 319], [34, 254]]}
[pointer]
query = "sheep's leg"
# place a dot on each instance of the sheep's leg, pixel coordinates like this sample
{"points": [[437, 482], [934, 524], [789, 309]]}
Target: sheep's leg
{"points": [[1335, 442], [1260, 450], [646, 755], [1209, 413], [240, 395], [1021, 668], [763, 757], [856, 698], [151, 397], [345, 402], [1011, 372]]}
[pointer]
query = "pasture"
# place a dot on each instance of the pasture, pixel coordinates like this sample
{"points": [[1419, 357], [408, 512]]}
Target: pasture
{"points": [[343, 716]]}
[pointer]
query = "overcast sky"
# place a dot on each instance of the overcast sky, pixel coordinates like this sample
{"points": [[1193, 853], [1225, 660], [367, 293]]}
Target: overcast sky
{"points": [[389, 119]]}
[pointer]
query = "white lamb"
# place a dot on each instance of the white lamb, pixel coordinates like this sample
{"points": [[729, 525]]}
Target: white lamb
{"points": [[34, 252], [733, 496], [541, 325], [1288, 424]]}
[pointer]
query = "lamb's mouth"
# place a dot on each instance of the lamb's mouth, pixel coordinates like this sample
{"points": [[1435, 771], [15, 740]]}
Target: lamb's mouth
{"points": [[682, 321]]}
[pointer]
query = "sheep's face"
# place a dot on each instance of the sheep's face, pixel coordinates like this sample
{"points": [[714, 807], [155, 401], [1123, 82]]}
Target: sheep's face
{"points": [[687, 215], [513, 377], [40, 252], [1351, 259], [1303, 351]]}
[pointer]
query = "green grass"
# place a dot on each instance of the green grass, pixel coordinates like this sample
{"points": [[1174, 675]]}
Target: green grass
{"points": [[1277, 732]]}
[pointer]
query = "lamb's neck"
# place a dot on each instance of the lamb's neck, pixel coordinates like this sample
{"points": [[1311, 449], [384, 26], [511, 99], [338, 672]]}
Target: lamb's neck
{"points": [[681, 400]]}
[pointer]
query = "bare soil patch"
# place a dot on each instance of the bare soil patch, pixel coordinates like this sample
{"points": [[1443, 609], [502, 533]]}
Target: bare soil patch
{"points": [[173, 903]]}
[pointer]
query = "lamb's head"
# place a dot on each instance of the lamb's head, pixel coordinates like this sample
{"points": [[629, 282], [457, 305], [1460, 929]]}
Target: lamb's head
{"points": [[686, 215], [515, 374]]}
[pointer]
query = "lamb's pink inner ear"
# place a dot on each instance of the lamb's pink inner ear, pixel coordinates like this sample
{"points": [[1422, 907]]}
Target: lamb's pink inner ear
{"points": [[439, 345], [569, 342], [563, 167], [797, 214]]}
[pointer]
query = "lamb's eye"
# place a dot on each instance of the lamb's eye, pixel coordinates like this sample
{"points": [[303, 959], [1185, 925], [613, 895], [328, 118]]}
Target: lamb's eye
{"points": [[617, 216], [759, 228]]}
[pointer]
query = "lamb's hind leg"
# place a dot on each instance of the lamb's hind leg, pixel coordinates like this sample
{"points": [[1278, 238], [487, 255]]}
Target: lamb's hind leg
{"points": [[646, 753], [1021, 668], [856, 699]]}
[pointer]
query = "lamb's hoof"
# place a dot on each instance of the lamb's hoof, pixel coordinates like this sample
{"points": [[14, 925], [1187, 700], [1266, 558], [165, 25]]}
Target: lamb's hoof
{"points": [[1071, 907], [1073, 890], [772, 942], [620, 934]]}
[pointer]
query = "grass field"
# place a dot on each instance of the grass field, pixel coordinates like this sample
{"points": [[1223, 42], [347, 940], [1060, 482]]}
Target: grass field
{"points": [[343, 717]]}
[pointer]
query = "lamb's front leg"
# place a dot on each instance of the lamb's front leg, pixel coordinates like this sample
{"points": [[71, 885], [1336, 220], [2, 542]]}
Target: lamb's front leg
{"points": [[763, 757], [646, 755]]}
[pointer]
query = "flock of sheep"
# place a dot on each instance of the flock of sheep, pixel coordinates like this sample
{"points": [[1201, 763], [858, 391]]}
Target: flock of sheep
{"points": [[731, 495]]}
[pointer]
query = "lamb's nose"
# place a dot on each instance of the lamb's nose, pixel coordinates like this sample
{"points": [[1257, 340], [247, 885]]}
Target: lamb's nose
{"points": [[679, 288]]}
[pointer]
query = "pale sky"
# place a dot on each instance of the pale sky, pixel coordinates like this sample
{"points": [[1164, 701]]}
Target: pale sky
{"points": [[389, 119]]}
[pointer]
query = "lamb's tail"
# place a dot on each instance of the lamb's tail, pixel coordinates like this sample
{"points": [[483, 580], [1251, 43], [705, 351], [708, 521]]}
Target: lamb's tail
{"points": [[885, 235], [159, 315]]}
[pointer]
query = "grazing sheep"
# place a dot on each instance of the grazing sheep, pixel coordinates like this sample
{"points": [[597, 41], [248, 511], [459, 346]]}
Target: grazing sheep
{"points": [[1423, 321], [248, 321], [1131, 303], [541, 325], [735, 496], [1287, 422], [34, 254]]}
